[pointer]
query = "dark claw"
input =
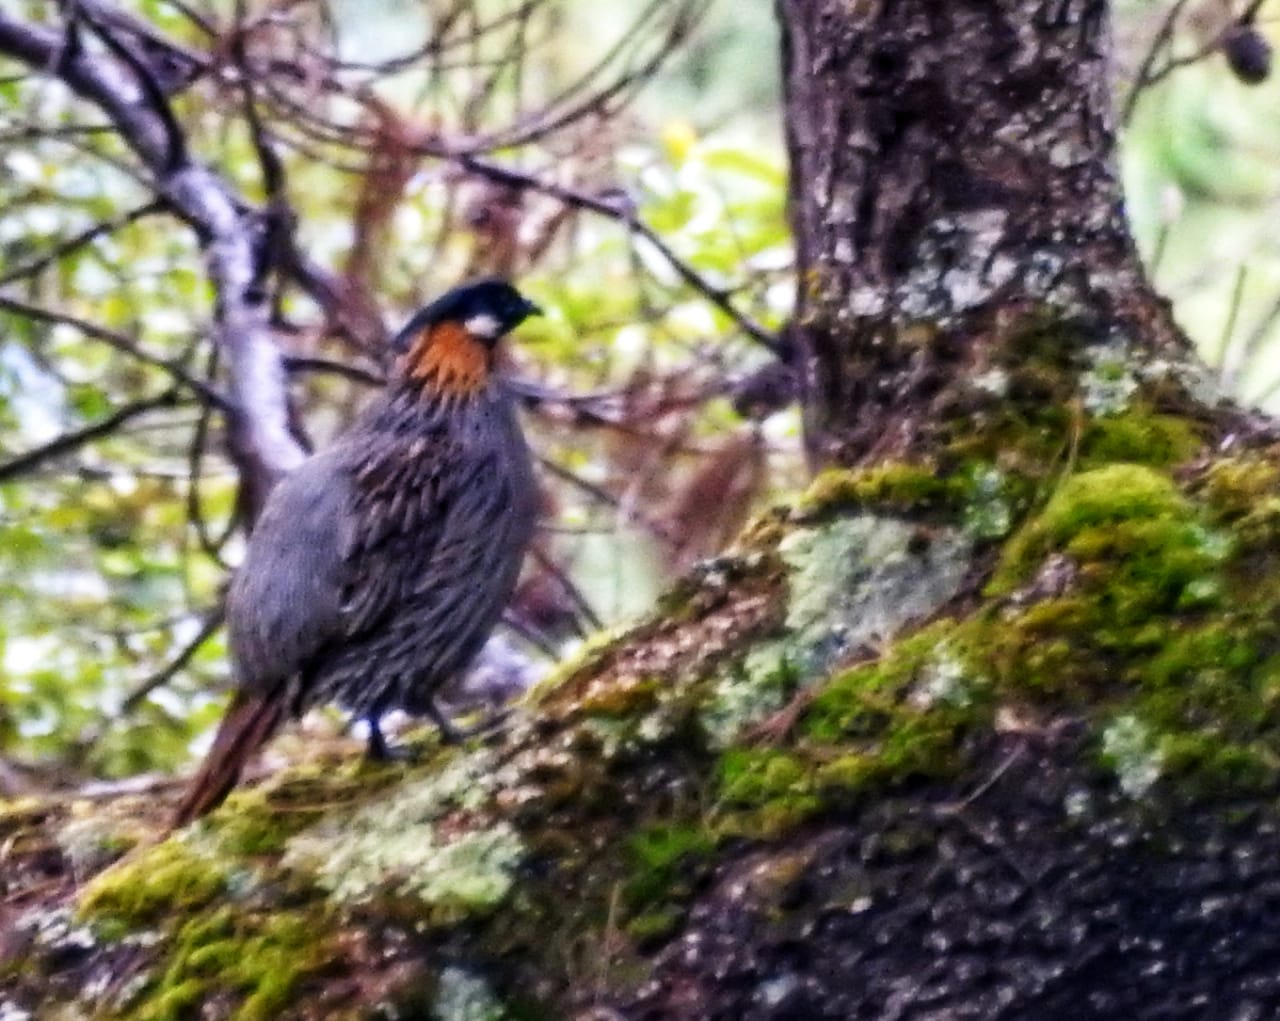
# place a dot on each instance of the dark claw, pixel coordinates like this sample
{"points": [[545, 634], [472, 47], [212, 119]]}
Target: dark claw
{"points": [[379, 750], [450, 734]]}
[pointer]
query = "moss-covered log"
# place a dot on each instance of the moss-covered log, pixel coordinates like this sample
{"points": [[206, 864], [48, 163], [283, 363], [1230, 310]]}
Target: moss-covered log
{"points": [[992, 736]]}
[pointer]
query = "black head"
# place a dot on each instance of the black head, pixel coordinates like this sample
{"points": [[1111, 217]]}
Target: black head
{"points": [[487, 309]]}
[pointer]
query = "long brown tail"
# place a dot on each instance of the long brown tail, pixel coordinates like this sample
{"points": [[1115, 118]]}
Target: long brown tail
{"points": [[249, 722]]}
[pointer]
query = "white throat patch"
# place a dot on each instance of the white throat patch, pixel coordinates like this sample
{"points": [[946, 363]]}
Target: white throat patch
{"points": [[483, 325]]}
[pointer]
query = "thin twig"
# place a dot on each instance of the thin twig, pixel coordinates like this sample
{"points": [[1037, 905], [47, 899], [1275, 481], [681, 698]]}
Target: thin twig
{"points": [[622, 212], [121, 343], [569, 588], [1142, 80], [951, 808], [300, 363], [71, 244], [77, 438], [530, 635], [1230, 355], [607, 498], [212, 621]]}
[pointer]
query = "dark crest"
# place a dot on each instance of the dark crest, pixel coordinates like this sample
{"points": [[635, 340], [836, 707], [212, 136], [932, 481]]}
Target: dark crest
{"points": [[489, 298]]}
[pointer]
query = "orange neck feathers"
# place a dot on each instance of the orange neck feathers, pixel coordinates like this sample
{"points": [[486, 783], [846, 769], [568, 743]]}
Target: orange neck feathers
{"points": [[449, 359]]}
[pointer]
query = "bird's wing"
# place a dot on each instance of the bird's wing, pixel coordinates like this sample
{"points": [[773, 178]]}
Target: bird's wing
{"points": [[404, 502], [345, 540], [285, 600]]}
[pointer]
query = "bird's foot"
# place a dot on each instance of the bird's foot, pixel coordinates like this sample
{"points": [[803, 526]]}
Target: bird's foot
{"points": [[381, 751], [450, 733], [378, 750]]}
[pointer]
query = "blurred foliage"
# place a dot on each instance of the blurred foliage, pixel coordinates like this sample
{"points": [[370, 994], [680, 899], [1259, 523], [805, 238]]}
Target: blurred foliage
{"points": [[1201, 162], [112, 556]]}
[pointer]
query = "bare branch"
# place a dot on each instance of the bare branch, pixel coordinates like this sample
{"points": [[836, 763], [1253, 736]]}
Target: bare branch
{"points": [[603, 496], [212, 621], [175, 141], [121, 343], [231, 232], [300, 364], [71, 244], [77, 438], [1149, 75], [566, 584], [622, 211]]}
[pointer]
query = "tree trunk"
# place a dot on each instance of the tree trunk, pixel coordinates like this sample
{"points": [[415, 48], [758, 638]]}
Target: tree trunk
{"points": [[950, 162]]}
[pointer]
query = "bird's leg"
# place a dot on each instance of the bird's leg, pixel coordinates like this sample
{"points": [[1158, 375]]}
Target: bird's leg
{"points": [[378, 750], [449, 734]]}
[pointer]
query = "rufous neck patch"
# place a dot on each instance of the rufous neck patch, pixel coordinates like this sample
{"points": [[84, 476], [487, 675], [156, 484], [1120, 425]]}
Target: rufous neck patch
{"points": [[449, 359]]}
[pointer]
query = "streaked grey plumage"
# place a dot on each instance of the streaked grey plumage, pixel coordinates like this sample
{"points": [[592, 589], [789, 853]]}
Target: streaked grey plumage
{"points": [[379, 567]]}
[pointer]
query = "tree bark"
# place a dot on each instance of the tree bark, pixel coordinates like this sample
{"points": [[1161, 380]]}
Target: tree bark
{"points": [[949, 161]]}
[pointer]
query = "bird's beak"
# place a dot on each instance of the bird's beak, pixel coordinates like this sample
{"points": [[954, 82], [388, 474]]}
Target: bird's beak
{"points": [[530, 309]]}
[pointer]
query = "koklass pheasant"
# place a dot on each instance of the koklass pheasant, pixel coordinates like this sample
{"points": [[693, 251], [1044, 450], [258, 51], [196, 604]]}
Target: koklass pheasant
{"points": [[379, 567]]}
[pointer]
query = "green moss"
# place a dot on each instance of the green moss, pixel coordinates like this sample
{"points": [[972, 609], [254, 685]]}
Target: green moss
{"points": [[258, 821], [1236, 487], [587, 657], [656, 923], [901, 487], [1133, 577], [921, 671], [166, 880], [763, 792], [772, 819], [976, 496], [622, 698], [1116, 493], [1148, 609], [664, 866], [1260, 528], [663, 846], [1244, 492], [1211, 766], [257, 959], [899, 718], [1118, 505], [923, 745], [217, 942], [752, 776], [1138, 437]]}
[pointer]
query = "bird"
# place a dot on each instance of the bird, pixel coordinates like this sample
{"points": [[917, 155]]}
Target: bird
{"points": [[381, 564]]}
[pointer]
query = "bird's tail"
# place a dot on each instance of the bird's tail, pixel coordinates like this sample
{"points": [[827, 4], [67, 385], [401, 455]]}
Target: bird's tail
{"points": [[249, 722]]}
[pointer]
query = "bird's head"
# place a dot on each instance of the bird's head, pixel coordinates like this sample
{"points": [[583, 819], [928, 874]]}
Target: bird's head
{"points": [[449, 345]]}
